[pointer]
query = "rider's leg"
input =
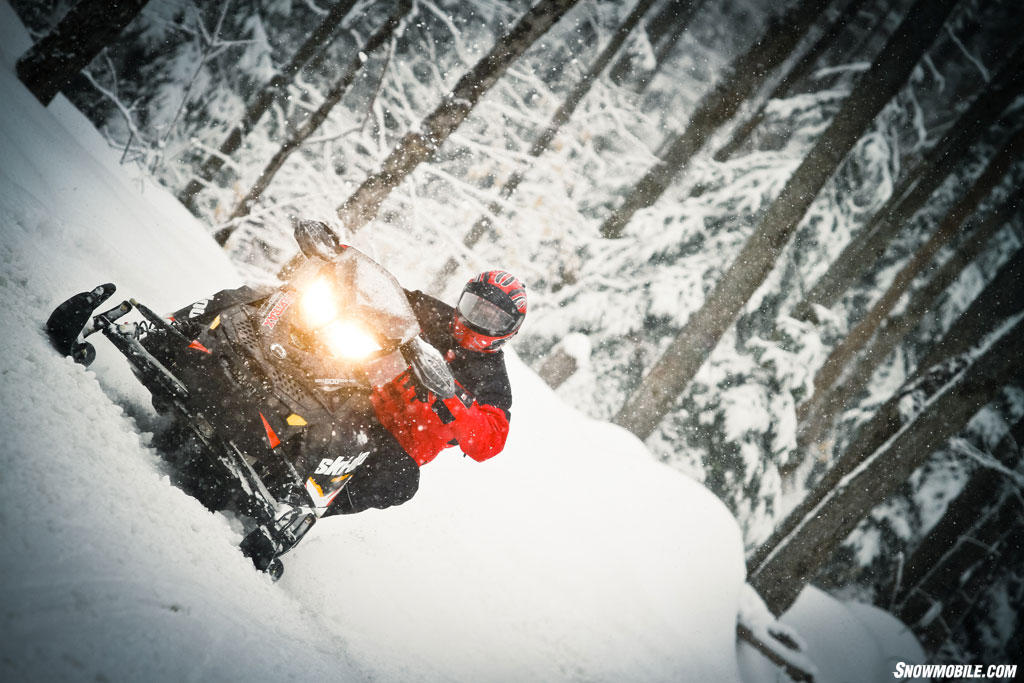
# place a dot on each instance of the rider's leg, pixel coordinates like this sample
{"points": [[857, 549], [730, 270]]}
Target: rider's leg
{"points": [[388, 477]]}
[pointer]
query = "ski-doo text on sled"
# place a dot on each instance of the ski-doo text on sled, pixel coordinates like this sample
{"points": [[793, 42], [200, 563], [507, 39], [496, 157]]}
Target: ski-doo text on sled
{"points": [[268, 392]]}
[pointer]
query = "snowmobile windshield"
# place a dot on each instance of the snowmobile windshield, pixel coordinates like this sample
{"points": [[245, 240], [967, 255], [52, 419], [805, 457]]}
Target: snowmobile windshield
{"points": [[348, 323], [353, 290]]}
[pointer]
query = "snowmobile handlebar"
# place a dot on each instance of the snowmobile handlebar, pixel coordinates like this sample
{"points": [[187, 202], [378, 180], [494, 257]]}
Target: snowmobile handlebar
{"points": [[429, 368]]}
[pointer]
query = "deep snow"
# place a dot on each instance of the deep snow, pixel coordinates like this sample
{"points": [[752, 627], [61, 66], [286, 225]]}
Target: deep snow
{"points": [[572, 556]]}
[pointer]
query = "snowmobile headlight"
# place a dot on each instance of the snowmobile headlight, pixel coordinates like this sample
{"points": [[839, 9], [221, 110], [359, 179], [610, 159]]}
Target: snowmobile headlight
{"points": [[348, 339], [319, 303]]}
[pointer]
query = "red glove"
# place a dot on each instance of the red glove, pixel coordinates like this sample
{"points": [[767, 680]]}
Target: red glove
{"points": [[480, 429]]}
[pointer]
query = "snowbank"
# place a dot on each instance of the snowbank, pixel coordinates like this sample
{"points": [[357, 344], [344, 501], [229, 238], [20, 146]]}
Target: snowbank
{"points": [[838, 642], [573, 555]]}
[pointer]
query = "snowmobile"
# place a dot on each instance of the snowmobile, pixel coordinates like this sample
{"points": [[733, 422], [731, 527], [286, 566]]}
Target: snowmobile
{"points": [[268, 396]]}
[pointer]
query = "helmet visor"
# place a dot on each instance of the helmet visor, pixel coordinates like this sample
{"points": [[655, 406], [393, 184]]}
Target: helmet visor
{"points": [[485, 316]]}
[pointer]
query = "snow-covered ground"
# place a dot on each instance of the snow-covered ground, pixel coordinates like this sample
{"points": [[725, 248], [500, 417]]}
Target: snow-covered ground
{"points": [[572, 556]]}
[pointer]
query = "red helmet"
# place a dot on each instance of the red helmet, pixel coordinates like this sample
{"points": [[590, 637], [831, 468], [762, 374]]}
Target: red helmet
{"points": [[490, 311]]}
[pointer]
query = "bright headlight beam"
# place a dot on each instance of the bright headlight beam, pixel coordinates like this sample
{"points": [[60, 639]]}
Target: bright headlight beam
{"points": [[319, 305], [347, 339]]}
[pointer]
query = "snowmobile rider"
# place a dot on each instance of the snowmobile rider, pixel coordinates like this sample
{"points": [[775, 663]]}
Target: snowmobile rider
{"points": [[385, 432], [416, 425], [406, 425]]}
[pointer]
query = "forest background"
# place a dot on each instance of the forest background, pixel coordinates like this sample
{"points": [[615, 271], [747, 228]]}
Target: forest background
{"points": [[779, 243]]}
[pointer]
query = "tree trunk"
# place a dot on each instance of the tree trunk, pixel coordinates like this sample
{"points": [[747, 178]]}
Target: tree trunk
{"points": [[855, 340], [911, 193], [797, 73], [85, 30], [961, 513], [985, 313], [664, 30], [258, 105], [664, 49], [663, 24], [1000, 299], [862, 49], [313, 122], [743, 76], [687, 352], [561, 116], [961, 538], [1004, 537], [818, 414], [791, 564], [559, 366], [1015, 648], [416, 147]]}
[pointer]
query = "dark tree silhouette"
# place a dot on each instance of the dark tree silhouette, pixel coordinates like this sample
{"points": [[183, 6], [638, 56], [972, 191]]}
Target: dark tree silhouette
{"points": [[856, 339], [85, 30], [1000, 299], [664, 31], [966, 535], [985, 313]]}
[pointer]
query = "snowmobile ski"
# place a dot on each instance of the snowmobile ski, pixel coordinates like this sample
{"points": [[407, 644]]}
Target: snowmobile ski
{"points": [[66, 324]]}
